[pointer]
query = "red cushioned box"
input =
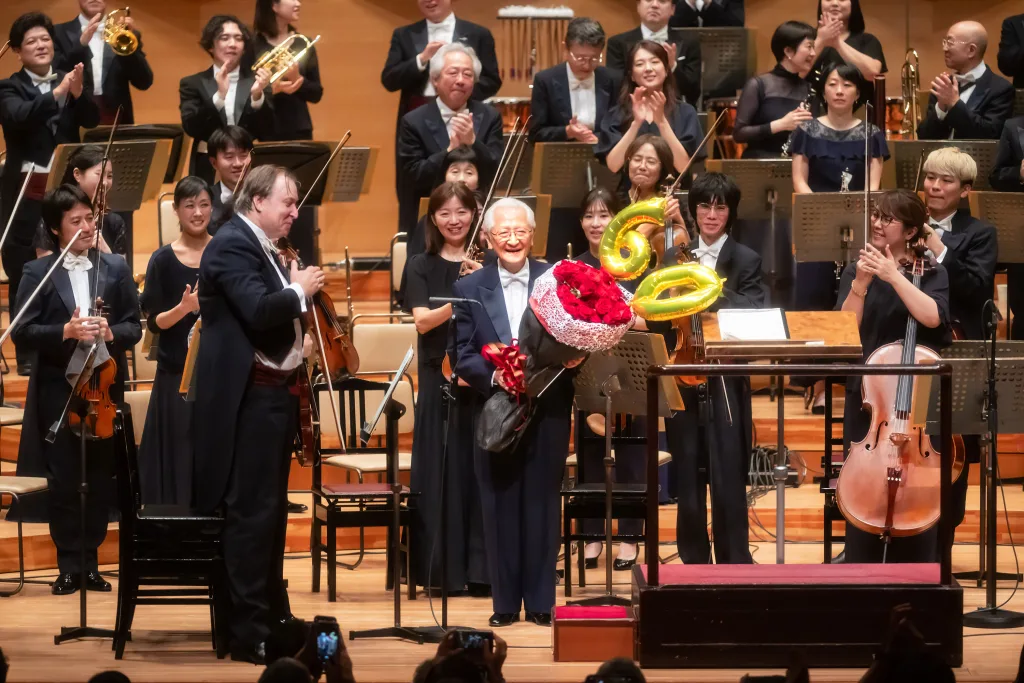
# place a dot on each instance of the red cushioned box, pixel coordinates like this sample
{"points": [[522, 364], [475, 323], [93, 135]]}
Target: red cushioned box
{"points": [[593, 634]]}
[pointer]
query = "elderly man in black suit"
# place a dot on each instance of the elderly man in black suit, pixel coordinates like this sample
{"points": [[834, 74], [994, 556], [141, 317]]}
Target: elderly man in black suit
{"points": [[967, 248], [654, 25], [58, 323], [518, 490], [569, 100], [245, 411], [1008, 176], [697, 13], [970, 102], [40, 107], [112, 76], [710, 440], [427, 134], [1011, 49], [224, 94]]}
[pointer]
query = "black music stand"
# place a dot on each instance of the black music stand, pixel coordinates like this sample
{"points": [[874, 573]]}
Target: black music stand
{"points": [[828, 226], [970, 417], [139, 168], [907, 155], [567, 171], [615, 382], [177, 161], [728, 58], [1005, 210]]}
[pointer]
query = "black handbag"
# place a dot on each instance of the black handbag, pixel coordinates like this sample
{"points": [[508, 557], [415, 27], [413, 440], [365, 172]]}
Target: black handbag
{"points": [[502, 422]]}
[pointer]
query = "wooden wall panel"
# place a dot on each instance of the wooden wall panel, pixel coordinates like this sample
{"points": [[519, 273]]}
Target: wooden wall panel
{"points": [[355, 40]]}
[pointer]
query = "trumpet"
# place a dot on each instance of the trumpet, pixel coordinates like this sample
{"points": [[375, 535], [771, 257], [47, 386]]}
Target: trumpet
{"points": [[117, 35], [280, 59], [910, 77]]}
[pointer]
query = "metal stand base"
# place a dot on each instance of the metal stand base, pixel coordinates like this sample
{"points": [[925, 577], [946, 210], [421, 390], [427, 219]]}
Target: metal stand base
{"points": [[993, 618], [603, 601], [78, 632], [411, 634], [980, 576]]}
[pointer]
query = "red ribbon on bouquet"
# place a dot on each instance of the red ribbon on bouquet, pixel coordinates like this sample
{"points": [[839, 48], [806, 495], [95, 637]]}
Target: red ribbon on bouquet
{"points": [[511, 364]]}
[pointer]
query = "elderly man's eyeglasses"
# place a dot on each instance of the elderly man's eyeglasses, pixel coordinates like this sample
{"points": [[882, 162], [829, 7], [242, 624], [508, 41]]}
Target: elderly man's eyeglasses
{"points": [[586, 61], [505, 234], [950, 42], [882, 219]]}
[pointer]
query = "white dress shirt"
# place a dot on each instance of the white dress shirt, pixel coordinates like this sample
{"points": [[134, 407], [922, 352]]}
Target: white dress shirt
{"points": [[583, 95], [965, 93], [294, 357], [516, 288], [45, 85], [228, 103], [447, 114], [707, 254], [941, 228], [78, 268], [226, 193], [441, 32], [660, 36], [96, 46]]}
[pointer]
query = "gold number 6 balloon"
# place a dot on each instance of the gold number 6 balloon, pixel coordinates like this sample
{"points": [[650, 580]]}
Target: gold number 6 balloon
{"points": [[621, 236]]}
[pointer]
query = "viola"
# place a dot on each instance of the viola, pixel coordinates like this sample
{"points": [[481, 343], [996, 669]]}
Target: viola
{"points": [[95, 392], [889, 483]]}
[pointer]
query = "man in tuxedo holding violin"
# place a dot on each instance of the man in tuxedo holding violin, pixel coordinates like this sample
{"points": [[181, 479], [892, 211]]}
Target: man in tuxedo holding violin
{"points": [[246, 408], [519, 491]]}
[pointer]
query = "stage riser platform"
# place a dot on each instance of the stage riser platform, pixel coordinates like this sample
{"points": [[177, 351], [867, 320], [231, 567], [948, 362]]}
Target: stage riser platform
{"points": [[684, 627]]}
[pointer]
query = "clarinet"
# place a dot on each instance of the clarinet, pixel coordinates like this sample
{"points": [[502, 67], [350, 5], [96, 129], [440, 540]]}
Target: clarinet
{"points": [[805, 105]]}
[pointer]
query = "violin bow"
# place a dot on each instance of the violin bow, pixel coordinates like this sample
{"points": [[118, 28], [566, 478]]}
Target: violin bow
{"points": [[241, 176], [521, 143], [99, 203], [5, 48], [502, 163], [327, 165], [693, 157]]}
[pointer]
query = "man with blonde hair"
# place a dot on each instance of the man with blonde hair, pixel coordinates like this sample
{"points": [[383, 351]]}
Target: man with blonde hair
{"points": [[967, 249]]}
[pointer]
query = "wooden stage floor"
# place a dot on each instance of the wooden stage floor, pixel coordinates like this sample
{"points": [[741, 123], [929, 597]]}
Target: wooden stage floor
{"points": [[172, 643]]}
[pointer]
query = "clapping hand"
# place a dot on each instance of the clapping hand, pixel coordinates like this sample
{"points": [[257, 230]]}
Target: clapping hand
{"points": [[462, 130], [223, 77], [656, 102], [829, 30], [90, 29], [190, 299], [640, 105], [946, 91], [875, 263], [577, 131], [262, 81]]}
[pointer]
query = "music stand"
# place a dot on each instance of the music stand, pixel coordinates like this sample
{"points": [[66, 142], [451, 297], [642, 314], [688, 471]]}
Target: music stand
{"points": [[986, 377], [728, 58], [1005, 210], [766, 187], [615, 382], [139, 168], [906, 156], [567, 171], [828, 226], [177, 161], [350, 174]]}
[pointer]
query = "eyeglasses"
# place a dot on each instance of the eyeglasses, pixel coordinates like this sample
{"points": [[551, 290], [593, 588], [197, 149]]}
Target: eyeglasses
{"points": [[586, 61], [884, 220], [712, 208], [950, 42], [504, 235]]}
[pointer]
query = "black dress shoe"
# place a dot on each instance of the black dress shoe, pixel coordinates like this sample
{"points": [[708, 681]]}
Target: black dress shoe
{"points": [[296, 508], [539, 618], [24, 369], [840, 558], [95, 582], [478, 590], [248, 654], [66, 584], [503, 618], [623, 565], [590, 563]]}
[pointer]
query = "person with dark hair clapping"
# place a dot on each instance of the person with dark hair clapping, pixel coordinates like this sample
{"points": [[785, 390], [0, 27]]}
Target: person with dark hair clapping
{"points": [[842, 38]]}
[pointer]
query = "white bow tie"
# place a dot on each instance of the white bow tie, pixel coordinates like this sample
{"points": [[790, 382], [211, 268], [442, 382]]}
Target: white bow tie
{"points": [[965, 81], [660, 36], [49, 78], [80, 262], [713, 250], [507, 278], [577, 84]]}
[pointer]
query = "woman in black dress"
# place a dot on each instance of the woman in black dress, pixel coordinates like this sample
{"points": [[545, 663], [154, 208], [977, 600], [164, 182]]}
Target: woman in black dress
{"points": [[170, 303], [841, 38], [882, 297], [452, 211], [649, 105], [83, 170], [828, 156]]}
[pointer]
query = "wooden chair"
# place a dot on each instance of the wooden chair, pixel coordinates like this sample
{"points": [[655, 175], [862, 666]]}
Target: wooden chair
{"points": [[399, 250], [168, 554], [16, 487], [356, 504]]}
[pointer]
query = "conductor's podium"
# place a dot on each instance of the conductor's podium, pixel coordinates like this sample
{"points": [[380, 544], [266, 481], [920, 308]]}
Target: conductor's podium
{"points": [[756, 616]]}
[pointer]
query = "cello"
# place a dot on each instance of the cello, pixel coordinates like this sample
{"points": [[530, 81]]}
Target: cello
{"points": [[889, 482]]}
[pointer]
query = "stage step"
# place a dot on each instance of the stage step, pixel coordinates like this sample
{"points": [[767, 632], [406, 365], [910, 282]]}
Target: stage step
{"points": [[593, 634]]}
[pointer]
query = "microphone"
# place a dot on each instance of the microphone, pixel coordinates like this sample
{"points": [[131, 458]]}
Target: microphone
{"points": [[453, 300]]}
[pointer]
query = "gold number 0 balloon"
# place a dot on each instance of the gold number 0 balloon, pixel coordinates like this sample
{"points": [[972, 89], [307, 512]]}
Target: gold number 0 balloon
{"points": [[703, 284], [620, 235]]}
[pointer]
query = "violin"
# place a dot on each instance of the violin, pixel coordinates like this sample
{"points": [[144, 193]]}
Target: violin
{"points": [[889, 482], [95, 393]]}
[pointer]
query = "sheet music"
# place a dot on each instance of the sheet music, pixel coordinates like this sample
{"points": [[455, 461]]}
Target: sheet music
{"points": [[752, 324]]}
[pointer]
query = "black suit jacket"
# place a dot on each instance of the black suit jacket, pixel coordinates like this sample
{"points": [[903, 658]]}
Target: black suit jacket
{"points": [[1011, 49], [970, 261], [715, 13], [200, 118], [221, 213], [740, 266], [422, 146], [34, 124], [119, 73], [1005, 175], [980, 118], [551, 102], [687, 71], [401, 74], [41, 332], [245, 309]]}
